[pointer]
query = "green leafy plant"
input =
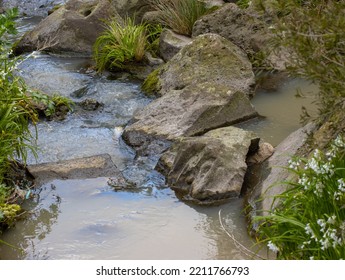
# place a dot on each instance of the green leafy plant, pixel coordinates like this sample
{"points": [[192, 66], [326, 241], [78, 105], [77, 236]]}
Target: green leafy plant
{"points": [[16, 111], [309, 222], [179, 15], [122, 43]]}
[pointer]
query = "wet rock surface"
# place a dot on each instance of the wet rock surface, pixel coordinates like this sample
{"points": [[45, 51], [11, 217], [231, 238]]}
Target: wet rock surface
{"points": [[209, 169]]}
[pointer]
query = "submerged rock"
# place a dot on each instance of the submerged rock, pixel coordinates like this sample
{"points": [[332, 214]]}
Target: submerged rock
{"points": [[82, 168], [72, 28], [210, 168]]}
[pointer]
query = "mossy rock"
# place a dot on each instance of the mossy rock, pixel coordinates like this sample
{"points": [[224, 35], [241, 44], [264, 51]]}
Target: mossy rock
{"points": [[151, 85]]}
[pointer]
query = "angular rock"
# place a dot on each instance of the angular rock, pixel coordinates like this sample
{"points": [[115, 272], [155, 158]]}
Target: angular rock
{"points": [[72, 28], [211, 168], [191, 111], [264, 152], [170, 43], [89, 167], [209, 58]]}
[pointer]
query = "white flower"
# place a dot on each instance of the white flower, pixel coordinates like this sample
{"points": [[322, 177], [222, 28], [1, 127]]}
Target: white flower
{"points": [[341, 186], [339, 142], [272, 247], [294, 164], [331, 220], [322, 224], [319, 188]]}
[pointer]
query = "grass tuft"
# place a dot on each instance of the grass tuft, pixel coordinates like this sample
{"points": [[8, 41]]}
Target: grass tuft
{"points": [[122, 43], [179, 15]]}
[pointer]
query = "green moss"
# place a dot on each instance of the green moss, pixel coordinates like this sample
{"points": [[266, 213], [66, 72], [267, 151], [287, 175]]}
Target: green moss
{"points": [[151, 85]]}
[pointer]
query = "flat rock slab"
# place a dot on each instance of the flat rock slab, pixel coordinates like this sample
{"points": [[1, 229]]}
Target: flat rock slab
{"points": [[88, 167], [210, 169], [188, 112]]}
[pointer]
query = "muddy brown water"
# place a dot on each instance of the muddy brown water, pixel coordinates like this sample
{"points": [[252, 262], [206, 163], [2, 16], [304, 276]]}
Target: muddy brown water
{"points": [[87, 219]]}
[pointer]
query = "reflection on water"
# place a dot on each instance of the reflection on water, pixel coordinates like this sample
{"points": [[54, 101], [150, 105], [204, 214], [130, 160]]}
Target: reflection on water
{"points": [[86, 219], [281, 110]]}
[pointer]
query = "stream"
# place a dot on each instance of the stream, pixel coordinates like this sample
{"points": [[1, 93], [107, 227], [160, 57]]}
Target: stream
{"points": [[88, 219]]}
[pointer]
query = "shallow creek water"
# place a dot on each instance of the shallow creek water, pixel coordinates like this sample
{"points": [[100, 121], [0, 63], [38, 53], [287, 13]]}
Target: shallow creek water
{"points": [[87, 219]]}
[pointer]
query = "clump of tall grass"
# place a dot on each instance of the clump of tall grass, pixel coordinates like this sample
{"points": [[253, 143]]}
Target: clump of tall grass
{"points": [[310, 221], [16, 112], [15, 107], [122, 43], [179, 15]]}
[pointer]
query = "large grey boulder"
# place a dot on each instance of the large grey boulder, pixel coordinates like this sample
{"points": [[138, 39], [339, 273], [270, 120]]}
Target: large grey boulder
{"points": [[247, 30], [274, 172], [202, 87], [208, 58], [210, 168], [189, 111], [72, 28], [243, 27]]}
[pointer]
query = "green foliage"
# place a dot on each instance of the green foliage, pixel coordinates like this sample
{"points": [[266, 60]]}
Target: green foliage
{"points": [[313, 33], [123, 43], [49, 103], [8, 214], [15, 114], [243, 3], [7, 27], [179, 15], [310, 221], [15, 107]]}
